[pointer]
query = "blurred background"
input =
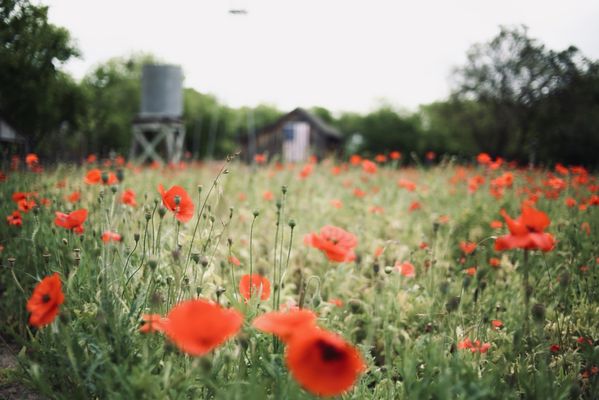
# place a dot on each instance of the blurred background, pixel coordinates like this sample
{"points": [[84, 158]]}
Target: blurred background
{"points": [[518, 80]]}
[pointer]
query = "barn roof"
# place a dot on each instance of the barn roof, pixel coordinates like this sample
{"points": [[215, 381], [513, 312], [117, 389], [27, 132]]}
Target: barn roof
{"points": [[315, 122]]}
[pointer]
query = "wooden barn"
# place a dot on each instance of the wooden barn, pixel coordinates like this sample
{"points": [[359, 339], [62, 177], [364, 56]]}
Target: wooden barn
{"points": [[293, 138]]}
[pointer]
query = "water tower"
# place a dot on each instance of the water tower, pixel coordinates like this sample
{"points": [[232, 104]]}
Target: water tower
{"points": [[158, 129]]}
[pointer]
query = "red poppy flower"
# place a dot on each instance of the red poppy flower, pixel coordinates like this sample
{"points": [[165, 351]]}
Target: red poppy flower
{"points": [[395, 155], [554, 348], [306, 171], [15, 219], [260, 158], [96, 176], [235, 261], [108, 236], [92, 158], [355, 159], [284, 324], [495, 262], [45, 301], [359, 193], [380, 158], [406, 184], [178, 201], [495, 224], [128, 197], [415, 206], [152, 323], [406, 268], [72, 221], [496, 324], [74, 197], [336, 243], [198, 326], [484, 159], [470, 271], [369, 167], [474, 347], [468, 247], [430, 155], [268, 195], [253, 284], [527, 231], [336, 203], [323, 363], [26, 205], [31, 159]]}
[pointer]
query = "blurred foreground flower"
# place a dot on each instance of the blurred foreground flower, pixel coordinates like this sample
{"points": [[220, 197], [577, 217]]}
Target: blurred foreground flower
{"points": [[45, 301], [199, 326], [336, 243]]}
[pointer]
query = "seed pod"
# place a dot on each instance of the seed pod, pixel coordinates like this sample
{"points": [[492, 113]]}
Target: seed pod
{"points": [[538, 312]]}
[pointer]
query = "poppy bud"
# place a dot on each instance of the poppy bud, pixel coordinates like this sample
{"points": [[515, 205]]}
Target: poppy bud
{"points": [[200, 187], [388, 269], [65, 241], [120, 174], [105, 177], [291, 223], [113, 189], [316, 300], [444, 287], [147, 215], [169, 280], [436, 226], [284, 189], [195, 257], [376, 268], [356, 307], [11, 261], [204, 261], [453, 304], [538, 312], [152, 263], [255, 213], [36, 210], [230, 241], [198, 291], [220, 290], [136, 237], [528, 291], [162, 211], [564, 279], [243, 340], [205, 364]]}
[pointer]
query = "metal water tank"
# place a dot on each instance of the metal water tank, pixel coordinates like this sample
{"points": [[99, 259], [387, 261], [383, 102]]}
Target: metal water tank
{"points": [[161, 91]]}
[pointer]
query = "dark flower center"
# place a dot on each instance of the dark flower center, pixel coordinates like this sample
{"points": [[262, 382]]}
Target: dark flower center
{"points": [[328, 352], [45, 298]]}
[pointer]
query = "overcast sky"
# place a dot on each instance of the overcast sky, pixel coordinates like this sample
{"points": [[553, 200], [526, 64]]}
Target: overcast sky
{"points": [[341, 54]]}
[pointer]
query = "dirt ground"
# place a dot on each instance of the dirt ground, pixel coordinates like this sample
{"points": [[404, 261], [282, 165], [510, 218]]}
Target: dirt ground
{"points": [[9, 388]]}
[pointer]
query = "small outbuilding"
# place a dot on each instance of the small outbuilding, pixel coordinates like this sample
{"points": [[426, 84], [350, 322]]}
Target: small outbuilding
{"points": [[294, 137]]}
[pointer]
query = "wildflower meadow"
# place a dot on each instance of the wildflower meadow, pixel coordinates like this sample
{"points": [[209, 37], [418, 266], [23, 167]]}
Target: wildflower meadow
{"points": [[356, 278]]}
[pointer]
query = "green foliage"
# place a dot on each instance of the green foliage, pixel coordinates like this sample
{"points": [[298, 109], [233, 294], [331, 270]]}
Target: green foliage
{"points": [[112, 93], [403, 326], [35, 97]]}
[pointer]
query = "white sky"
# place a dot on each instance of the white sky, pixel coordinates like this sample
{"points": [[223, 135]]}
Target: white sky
{"points": [[341, 54]]}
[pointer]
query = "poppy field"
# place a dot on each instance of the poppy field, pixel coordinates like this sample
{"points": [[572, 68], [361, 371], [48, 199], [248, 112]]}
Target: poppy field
{"points": [[358, 278]]}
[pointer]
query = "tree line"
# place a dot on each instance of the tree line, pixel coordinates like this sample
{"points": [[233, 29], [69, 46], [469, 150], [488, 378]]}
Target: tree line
{"points": [[513, 97]]}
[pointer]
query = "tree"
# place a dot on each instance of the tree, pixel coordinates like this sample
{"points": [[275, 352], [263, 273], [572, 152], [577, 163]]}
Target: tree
{"points": [[36, 98], [510, 76], [112, 91]]}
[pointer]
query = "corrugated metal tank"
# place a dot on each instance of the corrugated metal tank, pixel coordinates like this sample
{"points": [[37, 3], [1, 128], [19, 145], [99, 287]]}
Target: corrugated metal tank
{"points": [[161, 91]]}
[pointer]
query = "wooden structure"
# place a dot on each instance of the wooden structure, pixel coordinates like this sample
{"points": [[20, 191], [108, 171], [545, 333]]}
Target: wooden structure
{"points": [[294, 137], [158, 130]]}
